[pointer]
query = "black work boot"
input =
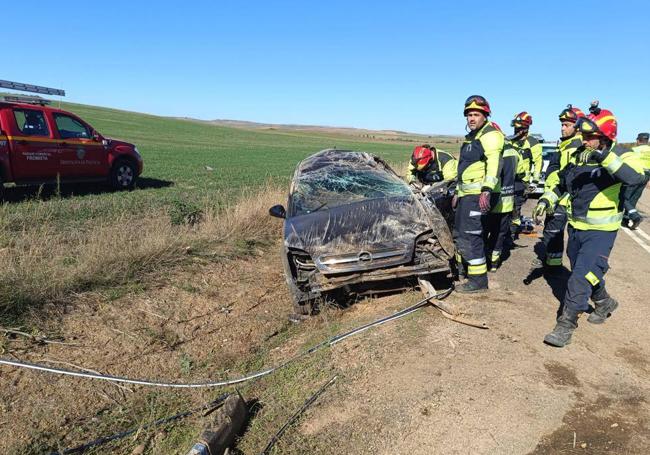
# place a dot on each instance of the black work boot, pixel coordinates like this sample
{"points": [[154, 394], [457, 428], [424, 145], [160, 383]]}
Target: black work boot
{"points": [[494, 266], [566, 324], [474, 284], [603, 309], [635, 223], [553, 270]]}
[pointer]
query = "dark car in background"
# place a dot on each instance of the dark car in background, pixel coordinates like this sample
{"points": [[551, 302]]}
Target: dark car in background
{"points": [[351, 223]]}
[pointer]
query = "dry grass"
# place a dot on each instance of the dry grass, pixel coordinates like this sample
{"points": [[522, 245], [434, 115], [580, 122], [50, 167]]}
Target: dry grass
{"points": [[218, 311], [42, 263]]}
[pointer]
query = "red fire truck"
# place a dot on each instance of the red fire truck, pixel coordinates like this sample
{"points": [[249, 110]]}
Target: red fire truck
{"points": [[40, 144]]}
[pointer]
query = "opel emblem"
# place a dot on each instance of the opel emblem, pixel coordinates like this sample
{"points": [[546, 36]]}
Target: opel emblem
{"points": [[364, 256]]}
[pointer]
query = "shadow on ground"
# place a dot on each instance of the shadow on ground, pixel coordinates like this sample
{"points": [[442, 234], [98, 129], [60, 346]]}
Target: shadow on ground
{"points": [[68, 190]]}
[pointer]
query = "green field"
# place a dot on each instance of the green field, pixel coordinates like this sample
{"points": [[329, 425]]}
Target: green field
{"points": [[176, 153], [58, 240]]}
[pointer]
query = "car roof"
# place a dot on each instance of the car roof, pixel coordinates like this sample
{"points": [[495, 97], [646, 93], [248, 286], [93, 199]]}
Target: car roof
{"points": [[329, 157], [33, 106]]}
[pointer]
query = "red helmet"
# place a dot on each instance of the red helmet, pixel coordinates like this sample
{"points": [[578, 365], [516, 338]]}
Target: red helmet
{"points": [[522, 120], [423, 156], [571, 114], [601, 124], [477, 103]]}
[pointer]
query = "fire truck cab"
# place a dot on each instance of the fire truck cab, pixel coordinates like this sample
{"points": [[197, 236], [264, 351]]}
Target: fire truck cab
{"points": [[40, 144]]}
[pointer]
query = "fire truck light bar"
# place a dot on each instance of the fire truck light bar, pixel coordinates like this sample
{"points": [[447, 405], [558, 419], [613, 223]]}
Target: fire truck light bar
{"points": [[31, 88], [26, 99]]}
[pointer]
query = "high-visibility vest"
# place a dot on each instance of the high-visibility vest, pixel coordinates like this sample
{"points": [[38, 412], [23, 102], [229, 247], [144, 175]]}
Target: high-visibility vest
{"points": [[566, 149], [478, 163], [643, 151]]}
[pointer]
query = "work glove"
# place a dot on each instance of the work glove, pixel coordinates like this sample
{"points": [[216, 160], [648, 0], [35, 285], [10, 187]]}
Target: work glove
{"points": [[415, 185], [539, 211], [426, 188], [532, 186], [484, 201], [591, 155]]}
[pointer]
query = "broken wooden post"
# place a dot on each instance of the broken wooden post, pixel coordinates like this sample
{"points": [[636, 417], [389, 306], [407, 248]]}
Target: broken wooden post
{"points": [[226, 423]]}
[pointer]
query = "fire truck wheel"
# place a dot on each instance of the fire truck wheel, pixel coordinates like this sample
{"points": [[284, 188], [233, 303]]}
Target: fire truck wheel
{"points": [[123, 175]]}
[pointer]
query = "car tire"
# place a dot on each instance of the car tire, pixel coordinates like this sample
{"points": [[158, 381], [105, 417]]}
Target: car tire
{"points": [[123, 175]]}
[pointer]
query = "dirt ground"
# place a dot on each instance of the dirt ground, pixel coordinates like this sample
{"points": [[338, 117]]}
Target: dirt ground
{"points": [[421, 385], [459, 390]]}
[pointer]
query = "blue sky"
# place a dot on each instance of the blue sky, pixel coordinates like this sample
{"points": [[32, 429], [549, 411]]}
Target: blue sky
{"points": [[383, 65]]}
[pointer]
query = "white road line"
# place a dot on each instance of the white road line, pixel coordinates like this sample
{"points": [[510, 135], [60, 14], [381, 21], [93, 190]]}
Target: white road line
{"points": [[636, 239], [642, 233]]}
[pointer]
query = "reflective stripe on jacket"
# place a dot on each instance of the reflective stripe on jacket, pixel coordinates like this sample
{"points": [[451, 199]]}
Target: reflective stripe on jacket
{"points": [[530, 150], [506, 185], [478, 164], [566, 149]]}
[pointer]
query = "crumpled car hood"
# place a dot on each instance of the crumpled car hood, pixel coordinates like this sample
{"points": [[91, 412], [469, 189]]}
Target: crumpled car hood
{"points": [[370, 225]]}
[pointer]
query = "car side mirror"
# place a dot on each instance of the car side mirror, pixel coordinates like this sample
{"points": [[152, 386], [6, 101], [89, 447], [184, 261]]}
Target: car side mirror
{"points": [[278, 211], [96, 137]]}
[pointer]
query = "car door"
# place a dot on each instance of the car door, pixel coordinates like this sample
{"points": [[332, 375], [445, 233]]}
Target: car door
{"points": [[81, 155], [34, 150]]}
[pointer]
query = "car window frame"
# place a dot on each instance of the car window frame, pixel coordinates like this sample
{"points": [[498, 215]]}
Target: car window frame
{"points": [[88, 128], [45, 122]]}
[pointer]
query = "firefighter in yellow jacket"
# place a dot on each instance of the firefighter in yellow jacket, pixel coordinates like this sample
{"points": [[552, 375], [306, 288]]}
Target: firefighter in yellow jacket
{"points": [[550, 203], [632, 193], [478, 170], [429, 165], [530, 165], [593, 179], [497, 222]]}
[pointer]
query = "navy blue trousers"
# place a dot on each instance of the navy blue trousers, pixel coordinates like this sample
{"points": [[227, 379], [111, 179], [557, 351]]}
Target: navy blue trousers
{"points": [[588, 252]]}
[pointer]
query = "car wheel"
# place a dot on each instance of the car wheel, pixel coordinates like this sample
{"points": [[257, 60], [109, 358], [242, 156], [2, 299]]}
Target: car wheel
{"points": [[123, 175]]}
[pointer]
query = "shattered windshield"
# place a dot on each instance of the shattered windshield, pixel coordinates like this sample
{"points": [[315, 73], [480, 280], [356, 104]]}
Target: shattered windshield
{"points": [[328, 181]]}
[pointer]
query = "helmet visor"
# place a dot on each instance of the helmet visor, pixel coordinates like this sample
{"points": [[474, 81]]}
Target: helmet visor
{"points": [[588, 127], [477, 102]]}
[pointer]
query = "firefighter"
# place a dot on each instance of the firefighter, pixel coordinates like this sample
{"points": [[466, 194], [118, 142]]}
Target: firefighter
{"points": [[429, 165], [529, 168], [593, 179], [632, 193], [497, 222], [549, 203], [478, 168]]}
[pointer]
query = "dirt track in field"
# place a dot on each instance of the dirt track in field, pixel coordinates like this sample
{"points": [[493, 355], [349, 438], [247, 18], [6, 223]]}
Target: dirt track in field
{"points": [[421, 385]]}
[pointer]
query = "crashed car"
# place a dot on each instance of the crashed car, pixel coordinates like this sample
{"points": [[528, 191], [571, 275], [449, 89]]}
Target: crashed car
{"points": [[352, 224]]}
